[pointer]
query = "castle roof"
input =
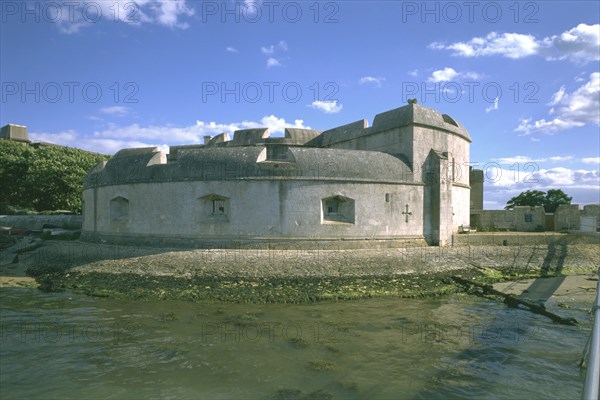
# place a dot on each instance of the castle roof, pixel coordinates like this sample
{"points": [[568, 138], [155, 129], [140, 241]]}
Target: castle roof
{"points": [[249, 163], [416, 114]]}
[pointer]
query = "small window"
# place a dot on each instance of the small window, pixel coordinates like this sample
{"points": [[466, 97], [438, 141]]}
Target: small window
{"points": [[528, 217], [332, 207], [337, 209], [119, 210], [277, 153], [214, 207], [387, 197], [218, 207], [448, 119]]}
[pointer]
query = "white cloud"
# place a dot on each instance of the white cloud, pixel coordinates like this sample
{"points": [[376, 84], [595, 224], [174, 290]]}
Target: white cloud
{"points": [[449, 74], [591, 160], [328, 107], [516, 159], [579, 45], [471, 75], [492, 205], [231, 49], [273, 50], [278, 125], [448, 90], [114, 138], [511, 45], [377, 81], [560, 158], [533, 178], [252, 2], [580, 77], [99, 145], [573, 110], [543, 126], [494, 105], [167, 13], [557, 97], [443, 75], [273, 62], [527, 159], [268, 50], [414, 72], [118, 111], [565, 177]]}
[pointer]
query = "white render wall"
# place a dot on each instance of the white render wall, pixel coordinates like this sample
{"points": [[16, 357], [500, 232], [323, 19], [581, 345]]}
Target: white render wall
{"points": [[460, 197], [256, 208]]}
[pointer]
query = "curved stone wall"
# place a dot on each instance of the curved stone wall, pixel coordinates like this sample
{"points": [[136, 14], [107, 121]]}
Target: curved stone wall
{"points": [[254, 210]]}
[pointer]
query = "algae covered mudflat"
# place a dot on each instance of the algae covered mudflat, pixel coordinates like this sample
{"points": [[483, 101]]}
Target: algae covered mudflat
{"points": [[296, 276]]}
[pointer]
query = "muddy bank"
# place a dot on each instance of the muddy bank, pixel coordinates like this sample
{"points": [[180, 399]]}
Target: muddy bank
{"points": [[257, 276], [248, 290]]}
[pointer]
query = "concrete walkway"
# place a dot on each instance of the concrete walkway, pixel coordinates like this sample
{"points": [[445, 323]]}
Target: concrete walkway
{"points": [[554, 293]]}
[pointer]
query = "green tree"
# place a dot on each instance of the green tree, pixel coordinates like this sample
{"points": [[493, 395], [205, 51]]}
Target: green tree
{"points": [[550, 200], [48, 178], [554, 198], [529, 198], [15, 159]]}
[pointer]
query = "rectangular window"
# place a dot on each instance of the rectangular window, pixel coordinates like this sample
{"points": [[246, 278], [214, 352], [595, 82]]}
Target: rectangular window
{"points": [[218, 207], [332, 207], [387, 197], [528, 217], [276, 153]]}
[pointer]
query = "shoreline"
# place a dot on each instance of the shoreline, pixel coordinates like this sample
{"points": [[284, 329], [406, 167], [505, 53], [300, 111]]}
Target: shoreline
{"points": [[293, 276]]}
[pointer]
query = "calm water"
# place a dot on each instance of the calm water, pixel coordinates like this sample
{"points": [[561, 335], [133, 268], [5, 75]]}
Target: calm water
{"points": [[72, 346]]}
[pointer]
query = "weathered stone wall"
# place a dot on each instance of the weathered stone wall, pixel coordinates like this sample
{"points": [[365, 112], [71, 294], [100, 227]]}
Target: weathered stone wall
{"points": [[411, 133], [566, 217], [523, 239], [460, 197], [255, 209], [592, 210], [476, 182], [522, 219]]}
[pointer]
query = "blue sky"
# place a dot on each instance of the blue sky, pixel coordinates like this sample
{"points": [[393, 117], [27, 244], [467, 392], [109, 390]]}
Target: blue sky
{"points": [[523, 77]]}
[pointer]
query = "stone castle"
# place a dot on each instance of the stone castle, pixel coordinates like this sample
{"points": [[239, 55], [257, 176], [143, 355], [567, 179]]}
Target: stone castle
{"points": [[404, 179]]}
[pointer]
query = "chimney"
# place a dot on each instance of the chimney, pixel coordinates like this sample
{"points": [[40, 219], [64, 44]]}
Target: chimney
{"points": [[207, 139]]}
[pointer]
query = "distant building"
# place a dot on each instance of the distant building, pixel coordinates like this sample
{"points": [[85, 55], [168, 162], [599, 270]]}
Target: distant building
{"points": [[16, 133], [476, 182]]}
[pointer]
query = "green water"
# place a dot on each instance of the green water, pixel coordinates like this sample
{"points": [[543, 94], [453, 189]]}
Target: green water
{"points": [[71, 346]]}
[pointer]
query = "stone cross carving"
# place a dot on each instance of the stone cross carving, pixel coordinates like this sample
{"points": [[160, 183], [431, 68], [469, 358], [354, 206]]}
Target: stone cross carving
{"points": [[406, 213]]}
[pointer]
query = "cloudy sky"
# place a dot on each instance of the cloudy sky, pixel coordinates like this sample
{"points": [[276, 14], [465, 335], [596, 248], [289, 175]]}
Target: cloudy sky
{"points": [[523, 77]]}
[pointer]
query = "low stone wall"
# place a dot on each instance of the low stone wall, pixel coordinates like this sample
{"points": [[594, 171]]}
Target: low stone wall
{"points": [[592, 210], [522, 219], [36, 222], [521, 239], [566, 217]]}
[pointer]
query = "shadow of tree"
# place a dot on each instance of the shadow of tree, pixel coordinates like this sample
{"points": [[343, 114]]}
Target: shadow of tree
{"points": [[544, 287]]}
